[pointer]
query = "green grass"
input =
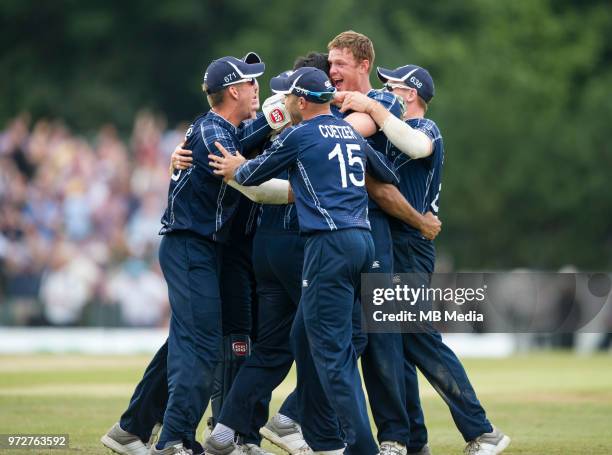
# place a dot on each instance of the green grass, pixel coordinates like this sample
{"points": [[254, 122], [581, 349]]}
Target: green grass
{"points": [[548, 403]]}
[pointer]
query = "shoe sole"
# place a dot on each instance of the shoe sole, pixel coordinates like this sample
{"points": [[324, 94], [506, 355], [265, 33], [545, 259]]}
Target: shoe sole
{"points": [[278, 442], [502, 445], [113, 445]]}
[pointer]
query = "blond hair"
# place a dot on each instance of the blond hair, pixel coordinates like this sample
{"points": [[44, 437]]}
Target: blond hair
{"points": [[214, 99], [357, 43]]}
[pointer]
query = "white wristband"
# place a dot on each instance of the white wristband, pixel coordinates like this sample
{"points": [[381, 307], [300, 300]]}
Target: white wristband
{"points": [[274, 191], [413, 143]]}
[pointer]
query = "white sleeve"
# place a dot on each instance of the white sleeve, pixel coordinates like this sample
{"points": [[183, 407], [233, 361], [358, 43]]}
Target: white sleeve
{"points": [[413, 143], [273, 191]]}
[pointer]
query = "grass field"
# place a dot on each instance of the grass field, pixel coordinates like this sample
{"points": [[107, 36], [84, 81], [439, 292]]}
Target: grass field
{"points": [[548, 403]]}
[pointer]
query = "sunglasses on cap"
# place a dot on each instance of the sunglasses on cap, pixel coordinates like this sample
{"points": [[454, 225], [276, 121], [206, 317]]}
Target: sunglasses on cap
{"points": [[323, 96], [390, 86], [250, 81]]}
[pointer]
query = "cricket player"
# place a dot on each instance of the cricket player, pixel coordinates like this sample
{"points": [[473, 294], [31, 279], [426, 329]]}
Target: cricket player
{"points": [[237, 280], [351, 56], [195, 224], [278, 258], [331, 202], [278, 252], [418, 156]]}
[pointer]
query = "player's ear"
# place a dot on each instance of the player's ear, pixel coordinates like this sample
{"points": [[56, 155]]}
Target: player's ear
{"points": [[233, 92], [413, 95], [364, 66]]}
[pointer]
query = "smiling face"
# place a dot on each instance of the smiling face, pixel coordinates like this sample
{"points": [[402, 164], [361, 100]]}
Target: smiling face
{"points": [[247, 94], [345, 71]]}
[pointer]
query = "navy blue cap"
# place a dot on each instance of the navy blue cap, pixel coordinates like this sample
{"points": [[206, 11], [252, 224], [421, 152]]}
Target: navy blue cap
{"points": [[412, 76], [308, 82], [227, 71], [252, 57]]}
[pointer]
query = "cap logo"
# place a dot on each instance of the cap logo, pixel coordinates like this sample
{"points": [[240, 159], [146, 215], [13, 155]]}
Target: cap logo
{"points": [[328, 84], [416, 82]]}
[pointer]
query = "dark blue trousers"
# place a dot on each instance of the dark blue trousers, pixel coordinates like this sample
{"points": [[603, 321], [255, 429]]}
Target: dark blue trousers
{"points": [[432, 357], [237, 285], [290, 408], [382, 360], [190, 264], [321, 339], [148, 403], [177, 384], [277, 261]]}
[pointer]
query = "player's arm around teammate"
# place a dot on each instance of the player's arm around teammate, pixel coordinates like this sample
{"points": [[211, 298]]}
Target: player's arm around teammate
{"points": [[421, 184], [332, 206], [351, 56], [412, 142]]}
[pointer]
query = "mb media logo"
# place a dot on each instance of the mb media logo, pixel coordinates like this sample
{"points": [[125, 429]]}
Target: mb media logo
{"points": [[240, 348]]}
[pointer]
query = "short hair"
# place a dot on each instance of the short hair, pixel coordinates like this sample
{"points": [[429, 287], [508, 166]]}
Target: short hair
{"points": [[214, 99], [357, 43], [422, 103], [316, 59]]}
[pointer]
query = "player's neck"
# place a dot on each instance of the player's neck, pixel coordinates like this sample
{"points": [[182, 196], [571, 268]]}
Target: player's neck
{"points": [[363, 86], [315, 111], [230, 113], [414, 112]]}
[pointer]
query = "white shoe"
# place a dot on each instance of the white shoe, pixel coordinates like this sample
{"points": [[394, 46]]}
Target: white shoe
{"points": [[392, 448], [176, 449], [214, 447], [286, 436], [253, 449], [492, 443], [123, 443]]}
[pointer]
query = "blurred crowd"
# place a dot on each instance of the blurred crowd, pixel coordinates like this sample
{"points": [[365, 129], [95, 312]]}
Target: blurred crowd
{"points": [[79, 222]]}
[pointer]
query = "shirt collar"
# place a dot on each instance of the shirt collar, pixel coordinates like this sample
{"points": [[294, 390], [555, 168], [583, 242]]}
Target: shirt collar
{"points": [[223, 121]]}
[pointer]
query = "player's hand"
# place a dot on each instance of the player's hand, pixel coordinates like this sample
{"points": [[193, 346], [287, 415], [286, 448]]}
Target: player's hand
{"points": [[356, 102], [275, 112], [181, 158], [430, 226], [339, 98], [226, 164]]}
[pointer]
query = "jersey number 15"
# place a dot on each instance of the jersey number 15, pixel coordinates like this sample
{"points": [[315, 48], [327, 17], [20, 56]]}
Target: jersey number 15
{"points": [[352, 160]]}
